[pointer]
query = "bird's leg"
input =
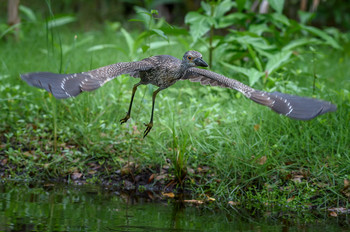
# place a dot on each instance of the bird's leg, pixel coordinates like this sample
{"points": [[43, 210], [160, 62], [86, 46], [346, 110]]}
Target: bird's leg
{"points": [[126, 118], [150, 124]]}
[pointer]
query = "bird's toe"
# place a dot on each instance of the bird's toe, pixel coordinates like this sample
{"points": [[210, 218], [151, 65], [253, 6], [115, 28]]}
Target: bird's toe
{"points": [[125, 119], [148, 129]]}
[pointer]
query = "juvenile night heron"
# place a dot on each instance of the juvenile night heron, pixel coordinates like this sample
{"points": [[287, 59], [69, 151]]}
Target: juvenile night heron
{"points": [[163, 71]]}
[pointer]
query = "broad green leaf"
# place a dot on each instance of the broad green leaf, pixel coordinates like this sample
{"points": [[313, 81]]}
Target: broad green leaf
{"points": [[221, 9], [259, 28], [206, 7], [101, 47], [144, 16], [145, 48], [277, 5], [154, 12], [160, 33], [300, 42], [240, 5], [328, 39], [8, 30], [135, 20], [28, 12], [249, 38], [280, 18], [129, 40], [254, 57], [158, 44], [252, 74], [231, 19], [199, 24], [277, 60], [60, 21], [305, 17]]}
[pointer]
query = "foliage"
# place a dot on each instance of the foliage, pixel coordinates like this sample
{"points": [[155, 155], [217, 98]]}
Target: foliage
{"points": [[260, 39]]}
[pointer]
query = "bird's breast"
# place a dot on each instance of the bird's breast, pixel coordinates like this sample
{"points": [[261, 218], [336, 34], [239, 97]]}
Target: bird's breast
{"points": [[161, 77]]}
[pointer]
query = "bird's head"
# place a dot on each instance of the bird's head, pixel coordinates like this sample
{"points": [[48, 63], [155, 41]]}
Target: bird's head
{"points": [[193, 58]]}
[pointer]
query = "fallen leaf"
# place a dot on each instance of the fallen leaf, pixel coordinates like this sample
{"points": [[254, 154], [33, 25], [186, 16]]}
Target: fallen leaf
{"points": [[49, 185], [190, 170], [4, 161], [210, 198], [27, 153], [196, 202], [91, 172], [150, 179], [233, 203], [256, 127], [128, 185], [290, 199], [262, 160], [333, 214], [76, 175], [346, 183], [135, 130], [160, 177], [297, 178], [339, 210], [170, 195], [127, 169], [150, 195]]}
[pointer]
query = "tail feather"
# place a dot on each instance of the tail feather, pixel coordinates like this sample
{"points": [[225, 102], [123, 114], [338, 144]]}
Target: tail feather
{"points": [[295, 107]]}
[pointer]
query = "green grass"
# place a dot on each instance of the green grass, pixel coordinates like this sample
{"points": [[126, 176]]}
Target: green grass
{"points": [[255, 157]]}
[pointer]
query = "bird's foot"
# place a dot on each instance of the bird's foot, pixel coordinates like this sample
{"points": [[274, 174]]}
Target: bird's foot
{"points": [[148, 129], [125, 119]]}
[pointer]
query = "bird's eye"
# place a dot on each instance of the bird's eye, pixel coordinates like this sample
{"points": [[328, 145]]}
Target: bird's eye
{"points": [[189, 57]]}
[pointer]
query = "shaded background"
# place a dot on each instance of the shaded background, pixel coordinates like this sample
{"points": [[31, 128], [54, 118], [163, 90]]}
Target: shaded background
{"points": [[91, 13]]}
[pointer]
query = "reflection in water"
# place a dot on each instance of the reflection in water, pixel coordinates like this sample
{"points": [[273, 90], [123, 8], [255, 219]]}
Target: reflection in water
{"points": [[86, 208]]}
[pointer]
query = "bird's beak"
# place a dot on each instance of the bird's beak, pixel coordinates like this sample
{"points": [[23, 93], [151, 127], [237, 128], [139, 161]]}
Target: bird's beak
{"points": [[200, 62]]}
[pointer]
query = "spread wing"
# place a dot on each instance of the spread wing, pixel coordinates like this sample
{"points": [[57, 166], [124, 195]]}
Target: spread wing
{"points": [[301, 108], [70, 85]]}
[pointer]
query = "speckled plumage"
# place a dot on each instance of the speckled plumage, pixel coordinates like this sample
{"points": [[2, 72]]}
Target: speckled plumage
{"points": [[163, 71]]}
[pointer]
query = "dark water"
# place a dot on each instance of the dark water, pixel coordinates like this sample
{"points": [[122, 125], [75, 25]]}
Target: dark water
{"points": [[82, 208]]}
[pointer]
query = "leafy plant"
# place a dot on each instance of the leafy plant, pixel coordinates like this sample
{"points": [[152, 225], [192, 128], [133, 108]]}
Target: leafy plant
{"points": [[258, 39], [142, 42]]}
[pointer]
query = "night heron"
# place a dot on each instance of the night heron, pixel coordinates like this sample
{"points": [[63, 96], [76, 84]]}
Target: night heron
{"points": [[163, 71]]}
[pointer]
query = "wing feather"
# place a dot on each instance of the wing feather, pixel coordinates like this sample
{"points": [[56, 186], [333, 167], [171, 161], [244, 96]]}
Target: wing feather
{"points": [[300, 108], [70, 85]]}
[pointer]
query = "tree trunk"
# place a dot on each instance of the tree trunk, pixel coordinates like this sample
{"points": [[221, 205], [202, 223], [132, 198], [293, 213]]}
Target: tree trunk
{"points": [[13, 17]]}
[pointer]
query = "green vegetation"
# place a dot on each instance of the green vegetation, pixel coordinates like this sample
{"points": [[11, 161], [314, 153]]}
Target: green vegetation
{"points": [[216, 143]]}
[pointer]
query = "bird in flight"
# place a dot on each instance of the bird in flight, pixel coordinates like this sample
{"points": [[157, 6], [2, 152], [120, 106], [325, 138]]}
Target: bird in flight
{"points": [[164, 71]]}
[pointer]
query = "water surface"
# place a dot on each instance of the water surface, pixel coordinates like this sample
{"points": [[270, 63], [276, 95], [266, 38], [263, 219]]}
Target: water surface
{"points": [[89, 208]]}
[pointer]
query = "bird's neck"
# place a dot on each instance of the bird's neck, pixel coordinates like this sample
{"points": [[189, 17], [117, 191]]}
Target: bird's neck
{"points": [[183, 67]]}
